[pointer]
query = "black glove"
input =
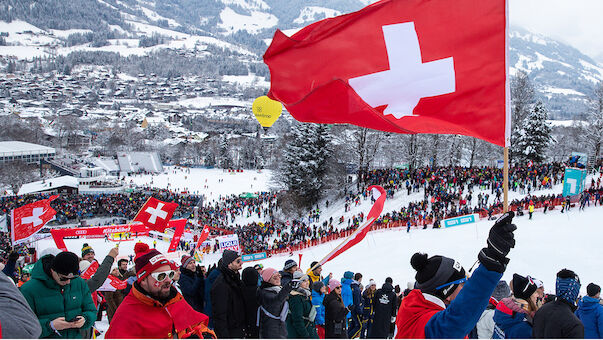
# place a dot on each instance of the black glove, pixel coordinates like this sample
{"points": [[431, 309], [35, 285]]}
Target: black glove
{"points": [[295, 284], [500, 241], [14, 256]]}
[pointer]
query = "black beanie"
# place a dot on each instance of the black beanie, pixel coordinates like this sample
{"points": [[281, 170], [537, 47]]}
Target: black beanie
{"points": [[523, 287], [228, 256], [434, 272], [66, 263], [317, 286], [592, 289]]}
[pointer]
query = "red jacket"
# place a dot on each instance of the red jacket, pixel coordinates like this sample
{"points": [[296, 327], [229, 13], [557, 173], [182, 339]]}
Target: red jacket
{"points": [[140, 316], [413, 315]]}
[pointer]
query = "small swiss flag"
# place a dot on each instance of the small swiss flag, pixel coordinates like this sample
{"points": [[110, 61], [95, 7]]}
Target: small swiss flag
{"points": [[29, 219], [203, 236], [405, 66], [155, 214]]}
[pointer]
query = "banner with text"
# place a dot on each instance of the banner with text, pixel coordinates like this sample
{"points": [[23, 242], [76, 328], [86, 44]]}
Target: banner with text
{"points": [[460, 220], [229, 242], [254, 257]]}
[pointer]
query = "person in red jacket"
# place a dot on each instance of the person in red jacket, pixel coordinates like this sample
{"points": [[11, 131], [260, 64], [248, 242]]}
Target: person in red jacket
{"points": [[154, 308], [444, 303]]}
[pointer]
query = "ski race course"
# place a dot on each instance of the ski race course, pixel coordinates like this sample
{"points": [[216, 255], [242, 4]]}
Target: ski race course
{"points": [[545, 244]]}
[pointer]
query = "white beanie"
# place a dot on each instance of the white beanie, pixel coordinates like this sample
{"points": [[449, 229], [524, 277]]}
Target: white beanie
{"points": [[372, 283], [49, 251], [84, 264]]}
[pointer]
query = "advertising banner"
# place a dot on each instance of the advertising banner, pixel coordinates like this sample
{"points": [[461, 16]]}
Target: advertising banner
{"points": [[573, 181], [229, 242], [460, 220], [254, 257]]}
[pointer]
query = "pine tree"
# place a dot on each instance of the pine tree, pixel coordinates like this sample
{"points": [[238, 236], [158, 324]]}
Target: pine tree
{"points": [[532, 136], [304, 166]]}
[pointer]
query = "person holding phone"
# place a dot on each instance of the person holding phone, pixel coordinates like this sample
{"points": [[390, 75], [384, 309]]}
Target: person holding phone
{"points": [[60, 299]]}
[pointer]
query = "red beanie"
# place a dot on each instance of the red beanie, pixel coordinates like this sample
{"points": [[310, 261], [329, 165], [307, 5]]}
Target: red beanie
{"points": [[147, 260]]}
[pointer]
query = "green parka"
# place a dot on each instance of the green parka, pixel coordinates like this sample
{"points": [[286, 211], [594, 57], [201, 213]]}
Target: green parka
{"points": [[49, 301], [298, 324]]}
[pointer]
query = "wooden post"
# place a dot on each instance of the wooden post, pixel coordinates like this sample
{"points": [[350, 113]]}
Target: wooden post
{"points": [[506, 180]]}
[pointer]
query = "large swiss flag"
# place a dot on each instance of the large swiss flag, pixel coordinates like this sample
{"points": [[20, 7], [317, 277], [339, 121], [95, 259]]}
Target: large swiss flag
{"points": [[155, 214], [31, 218], [406, 66]]}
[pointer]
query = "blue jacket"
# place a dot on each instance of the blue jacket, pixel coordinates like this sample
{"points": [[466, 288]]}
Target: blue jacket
{"points": [[590, 312], [192, 288], [462, 314], [317, 299], [346, 294], [356, 298], [510, 324]]}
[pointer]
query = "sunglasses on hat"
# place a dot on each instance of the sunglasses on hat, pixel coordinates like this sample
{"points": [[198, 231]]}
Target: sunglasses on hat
{"points": [[452, 283], [161, 276], [64, 278]]}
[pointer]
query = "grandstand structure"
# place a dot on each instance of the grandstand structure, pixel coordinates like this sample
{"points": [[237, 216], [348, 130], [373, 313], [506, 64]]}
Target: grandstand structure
{"points": [[12, 151]]}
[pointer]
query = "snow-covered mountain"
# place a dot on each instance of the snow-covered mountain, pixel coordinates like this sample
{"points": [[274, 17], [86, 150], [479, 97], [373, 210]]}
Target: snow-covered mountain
{"points": [[240, 30]]}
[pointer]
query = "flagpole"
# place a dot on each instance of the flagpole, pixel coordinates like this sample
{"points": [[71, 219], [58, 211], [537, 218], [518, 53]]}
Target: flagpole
{"points": [[319, 263], [506, 180]]}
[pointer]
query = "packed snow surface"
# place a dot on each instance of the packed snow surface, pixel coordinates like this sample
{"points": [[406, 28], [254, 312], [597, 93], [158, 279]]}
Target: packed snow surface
{"points": [[212, 183]]}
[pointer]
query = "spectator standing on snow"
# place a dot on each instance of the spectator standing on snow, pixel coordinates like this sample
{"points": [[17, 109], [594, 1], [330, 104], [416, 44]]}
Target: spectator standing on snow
{"points": [[300, 321], [513, 316], [335, 313], [485, 325], [590, 312], [385, 303], [356, 325], [442, 305], [250, 278], [59, 297], [192, 283], [274, 308], [556, 319], [318, 295], [315, 274], [368, 310], [346, 292], [289, 268], [17, 320], [154, 308], [228, 309]]}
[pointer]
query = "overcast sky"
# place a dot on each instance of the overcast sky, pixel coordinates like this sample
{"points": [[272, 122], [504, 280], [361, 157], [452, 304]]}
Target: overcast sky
{"points": [[578, 23]]}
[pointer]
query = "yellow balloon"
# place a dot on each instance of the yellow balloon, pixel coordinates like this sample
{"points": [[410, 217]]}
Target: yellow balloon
{"points": [[266, 110]]}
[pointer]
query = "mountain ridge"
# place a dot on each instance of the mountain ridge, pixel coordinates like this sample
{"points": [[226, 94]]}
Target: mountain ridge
{"points": [[240, 29]]}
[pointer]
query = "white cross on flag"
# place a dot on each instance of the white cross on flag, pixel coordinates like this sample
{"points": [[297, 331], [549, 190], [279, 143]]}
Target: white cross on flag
{"points": [[155, 214], [29, 219]]}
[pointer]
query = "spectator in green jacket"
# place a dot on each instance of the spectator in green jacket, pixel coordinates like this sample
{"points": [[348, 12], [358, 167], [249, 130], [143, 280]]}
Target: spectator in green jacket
{"points": [[300, 321], [60, 299]]}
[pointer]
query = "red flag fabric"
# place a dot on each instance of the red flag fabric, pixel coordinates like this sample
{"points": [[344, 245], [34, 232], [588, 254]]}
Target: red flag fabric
{"points": [[179, 230], [90, 271], [203, 236], [411, 66], [29, 219], [155, 214], [112, 284], [379, 194]]}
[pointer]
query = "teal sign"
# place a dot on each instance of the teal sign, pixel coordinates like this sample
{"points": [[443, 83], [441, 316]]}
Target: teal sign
{"points": [[573, 181], [456, 221], [254, 257]]}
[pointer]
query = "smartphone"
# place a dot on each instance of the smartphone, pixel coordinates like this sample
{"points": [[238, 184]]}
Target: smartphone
{"points": [[74, 319]]}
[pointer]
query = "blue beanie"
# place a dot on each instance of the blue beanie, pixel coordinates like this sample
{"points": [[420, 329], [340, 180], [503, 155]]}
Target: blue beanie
{"points": [[568, 286], [348, 275]]}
